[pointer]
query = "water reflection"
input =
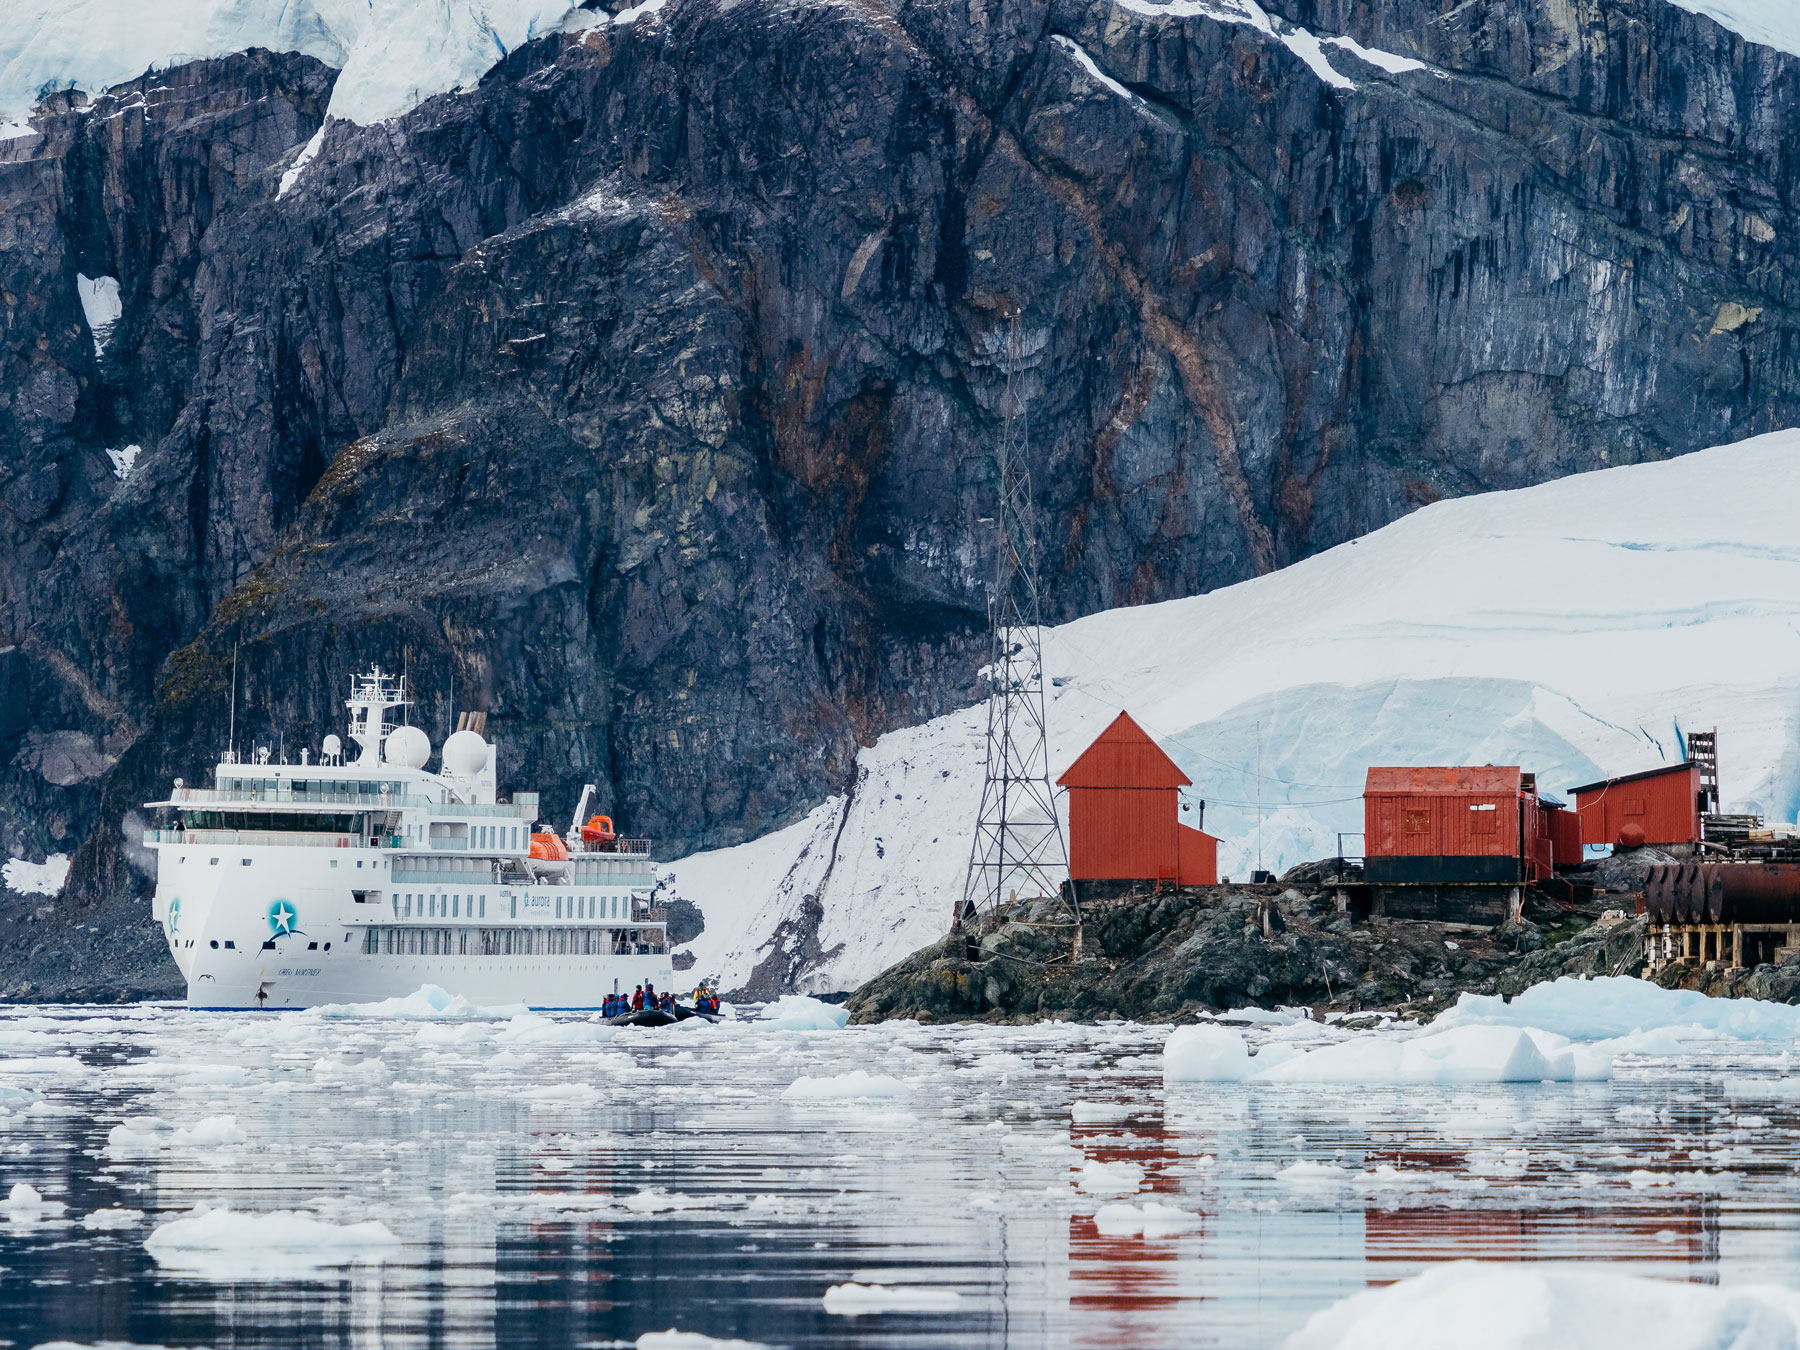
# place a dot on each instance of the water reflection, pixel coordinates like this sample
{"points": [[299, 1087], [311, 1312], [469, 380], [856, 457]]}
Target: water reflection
{"points": [[553, 1185]]}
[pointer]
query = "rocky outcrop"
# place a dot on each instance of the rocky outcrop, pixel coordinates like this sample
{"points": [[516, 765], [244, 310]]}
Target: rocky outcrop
{"points": [[638, 395], [1185, 952]]}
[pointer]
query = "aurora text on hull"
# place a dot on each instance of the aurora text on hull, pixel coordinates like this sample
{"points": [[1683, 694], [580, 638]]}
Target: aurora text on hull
{"points": [[288, 885]]}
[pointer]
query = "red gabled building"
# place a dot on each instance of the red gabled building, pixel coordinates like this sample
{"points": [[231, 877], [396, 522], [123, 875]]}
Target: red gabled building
{"points": [[1125, 814]]}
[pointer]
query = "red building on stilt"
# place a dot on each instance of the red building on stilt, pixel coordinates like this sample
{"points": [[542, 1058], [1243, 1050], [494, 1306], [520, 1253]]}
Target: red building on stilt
{"points": [[1125, 814]]}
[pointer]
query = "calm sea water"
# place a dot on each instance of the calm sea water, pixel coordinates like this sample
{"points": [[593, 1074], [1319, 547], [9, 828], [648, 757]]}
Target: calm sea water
{"points": [[551, 1183]]}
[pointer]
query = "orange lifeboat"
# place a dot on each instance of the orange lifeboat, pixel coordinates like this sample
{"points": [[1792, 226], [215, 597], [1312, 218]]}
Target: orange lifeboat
{"points": [[599, 830], [548, 847]]}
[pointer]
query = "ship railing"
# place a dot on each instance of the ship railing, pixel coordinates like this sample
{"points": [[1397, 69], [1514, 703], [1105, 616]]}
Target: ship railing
{"points": [[272, 793], [253, 838], [632, 847]]}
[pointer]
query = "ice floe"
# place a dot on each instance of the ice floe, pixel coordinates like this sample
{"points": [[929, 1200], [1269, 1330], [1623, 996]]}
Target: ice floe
{"points": [[857, 1084], [1610, 1007], [1150, 1220], [855, 1300], [1458, 1054], [1468, 1305], [224, 1243], [797, 1012]]}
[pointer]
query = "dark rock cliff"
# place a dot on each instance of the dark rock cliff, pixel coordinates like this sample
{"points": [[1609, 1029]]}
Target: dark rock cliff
{"points": [[638, 396]]}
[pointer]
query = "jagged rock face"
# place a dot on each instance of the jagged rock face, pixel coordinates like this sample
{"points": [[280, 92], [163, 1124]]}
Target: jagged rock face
{"points": [[641, 395]]}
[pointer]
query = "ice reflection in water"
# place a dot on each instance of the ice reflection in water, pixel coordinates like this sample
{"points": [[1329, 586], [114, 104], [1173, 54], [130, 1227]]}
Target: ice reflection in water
{"points": [[553, 1184]]}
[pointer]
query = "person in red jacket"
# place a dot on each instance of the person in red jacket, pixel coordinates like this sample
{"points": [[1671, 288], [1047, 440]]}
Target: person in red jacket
{"points": [[637, 1000]]}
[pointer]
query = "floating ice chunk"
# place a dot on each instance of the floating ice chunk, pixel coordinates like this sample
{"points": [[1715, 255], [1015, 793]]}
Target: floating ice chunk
{"points": [[1114, 1178], [1617, 1006], [427, 1001], [797, 1012], [224, 1244], [101, 306], [1086, 1112], [858, 1083], [1260, 1016], [561, 1092], [29, 878], [1313, 1175], [655, 1200], [1465, 1304], [1150, 1219], [25, 1204], [691, 1340], [111, 1220], [854, 1300], [536, 1029], [1205, 1054]]}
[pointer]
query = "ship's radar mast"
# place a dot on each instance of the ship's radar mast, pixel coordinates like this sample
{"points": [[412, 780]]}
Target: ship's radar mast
{"points": [[371, 696]]}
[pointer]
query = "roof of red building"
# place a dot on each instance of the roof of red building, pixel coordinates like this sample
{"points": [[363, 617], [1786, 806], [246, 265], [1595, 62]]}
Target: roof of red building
{"points": [[1682, 767], [1443, 781], [1124, 756]]}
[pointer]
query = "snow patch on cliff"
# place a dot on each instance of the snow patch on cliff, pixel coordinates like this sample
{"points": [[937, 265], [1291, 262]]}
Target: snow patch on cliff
{"points": [[1574, 628], [1774, 23], [392, 54], [29, 878]]}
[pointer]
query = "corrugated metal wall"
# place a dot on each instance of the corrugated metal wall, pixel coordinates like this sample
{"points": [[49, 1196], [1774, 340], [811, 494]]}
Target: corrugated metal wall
{"points": [[1465, 825], [1665, 805], [1123, 833]]}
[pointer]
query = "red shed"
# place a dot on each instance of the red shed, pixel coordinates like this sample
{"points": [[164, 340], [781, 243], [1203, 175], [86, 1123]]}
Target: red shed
{"points": [[1452, 825], [1664, 803], [1125, 814], [1563, 829]]}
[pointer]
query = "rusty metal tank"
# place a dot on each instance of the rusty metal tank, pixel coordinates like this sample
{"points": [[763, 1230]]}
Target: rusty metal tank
{"points": [[1754, 892]]}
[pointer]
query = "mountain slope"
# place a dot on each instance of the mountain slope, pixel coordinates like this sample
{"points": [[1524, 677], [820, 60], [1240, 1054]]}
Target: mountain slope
{"points": [[636, 390], [1574, 628]]}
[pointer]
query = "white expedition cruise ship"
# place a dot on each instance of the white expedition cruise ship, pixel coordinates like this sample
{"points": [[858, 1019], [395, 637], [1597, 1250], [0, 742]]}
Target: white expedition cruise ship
{"points": [[289, 885]]}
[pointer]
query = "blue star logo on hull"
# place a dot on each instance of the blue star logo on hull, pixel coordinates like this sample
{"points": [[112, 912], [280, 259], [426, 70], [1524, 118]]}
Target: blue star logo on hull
{"points": [[283, 918], [174, 914]]}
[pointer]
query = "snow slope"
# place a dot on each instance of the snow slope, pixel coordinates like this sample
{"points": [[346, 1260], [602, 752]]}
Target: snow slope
{"points": [[1574, 628], [394, 54]]}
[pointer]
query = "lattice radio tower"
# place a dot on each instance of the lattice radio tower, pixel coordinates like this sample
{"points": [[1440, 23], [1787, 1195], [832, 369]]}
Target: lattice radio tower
{"points": [[1018, 850]]}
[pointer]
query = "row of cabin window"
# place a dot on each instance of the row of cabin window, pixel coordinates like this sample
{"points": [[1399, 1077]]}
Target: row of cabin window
{"points": [[435, 905], [480, 836], [495, 942]]}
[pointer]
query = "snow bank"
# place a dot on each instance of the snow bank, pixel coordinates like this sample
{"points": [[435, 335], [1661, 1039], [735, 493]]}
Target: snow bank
{"points": [[392, 54], [224, 1244], [796, 1012], [1423, 643], [1468, 1305], [1462, 1054], [1149, 1220], [29, 878], [857, 1084], [854, 1300], [1617, 1006]]}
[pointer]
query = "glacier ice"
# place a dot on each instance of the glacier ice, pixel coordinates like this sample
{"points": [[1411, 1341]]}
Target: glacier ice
{"points": [[391, 54]]}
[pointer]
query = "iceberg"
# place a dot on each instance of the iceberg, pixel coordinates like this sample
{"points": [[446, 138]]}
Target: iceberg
{"points": [[1457, 1054], [797, 1012], [857, 1084]]}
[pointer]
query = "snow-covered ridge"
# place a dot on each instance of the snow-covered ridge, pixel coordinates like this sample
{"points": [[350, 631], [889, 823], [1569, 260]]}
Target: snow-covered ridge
{"points": [[393, 54], [1573, 628]]}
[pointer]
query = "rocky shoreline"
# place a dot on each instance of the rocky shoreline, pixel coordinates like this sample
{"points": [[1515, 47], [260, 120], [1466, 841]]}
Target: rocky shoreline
{"points": [[1202, 951]]}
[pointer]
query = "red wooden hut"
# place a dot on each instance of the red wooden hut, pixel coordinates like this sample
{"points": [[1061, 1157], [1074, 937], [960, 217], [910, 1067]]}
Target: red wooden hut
{"points": [[1125, 814], [1458, 825], [1665, 803]]}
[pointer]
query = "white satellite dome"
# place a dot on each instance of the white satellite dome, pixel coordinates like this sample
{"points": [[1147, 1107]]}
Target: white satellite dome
{"points": [[465, 754], [333, 746], [407, 748]]}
